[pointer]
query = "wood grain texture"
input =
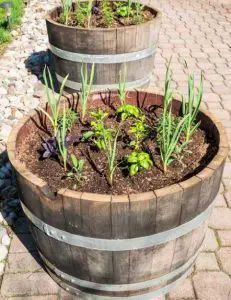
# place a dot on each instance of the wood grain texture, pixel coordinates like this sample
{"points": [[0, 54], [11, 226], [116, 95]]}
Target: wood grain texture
{"points": [[121, 216], [103, 41]]}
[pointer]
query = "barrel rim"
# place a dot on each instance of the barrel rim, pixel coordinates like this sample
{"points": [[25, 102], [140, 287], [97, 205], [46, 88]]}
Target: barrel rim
{"points": [[157, 18], [205, 173]]}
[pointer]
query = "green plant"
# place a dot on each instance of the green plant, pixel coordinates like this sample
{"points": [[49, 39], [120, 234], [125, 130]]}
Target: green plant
{"points": [[84, 12], [66, 10], [71, 117], [124, 9], [138, 161], [61, 141], [107, 12], [169, 128], [191, 107], [125, 110], [80, 12], [76, 168], [99, 132], [15, 19], [110, 153], [105, 139], [139, 130], [86, 84], [53, 99], [138, 11]]}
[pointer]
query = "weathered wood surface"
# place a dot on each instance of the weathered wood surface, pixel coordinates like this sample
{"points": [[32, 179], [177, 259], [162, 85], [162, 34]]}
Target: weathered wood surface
{"points": [[122, 216], [104, 41]]}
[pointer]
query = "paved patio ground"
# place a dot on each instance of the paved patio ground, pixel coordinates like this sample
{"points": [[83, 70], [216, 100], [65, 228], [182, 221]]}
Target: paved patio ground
{"points": [[196, 31]]}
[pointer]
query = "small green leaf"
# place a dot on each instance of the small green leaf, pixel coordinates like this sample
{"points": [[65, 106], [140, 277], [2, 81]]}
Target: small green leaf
{"points": [[74, 160], [133, 170], [87, 135]]}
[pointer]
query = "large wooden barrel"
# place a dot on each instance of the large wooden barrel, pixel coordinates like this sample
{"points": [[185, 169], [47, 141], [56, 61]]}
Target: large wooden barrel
{"points": [[108, 48], [135, 246]]}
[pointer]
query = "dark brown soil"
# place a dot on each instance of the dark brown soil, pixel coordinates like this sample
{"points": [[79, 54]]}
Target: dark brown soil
{"points": [[200, 151], [97, 20]]}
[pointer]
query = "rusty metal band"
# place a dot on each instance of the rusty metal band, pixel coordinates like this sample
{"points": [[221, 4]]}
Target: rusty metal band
{"points": [[104, 58], [121, 287], [118, 244], [130, 84], [147, 296]]}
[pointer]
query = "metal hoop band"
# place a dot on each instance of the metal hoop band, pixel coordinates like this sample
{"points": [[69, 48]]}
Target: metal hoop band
{"points": [[102, 59], [118, 244]]}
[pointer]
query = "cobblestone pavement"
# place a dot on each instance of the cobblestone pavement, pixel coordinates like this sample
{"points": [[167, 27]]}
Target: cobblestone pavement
{"points": [[196, 31]]}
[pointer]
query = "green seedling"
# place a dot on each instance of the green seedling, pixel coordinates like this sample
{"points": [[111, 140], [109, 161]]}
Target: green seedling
{"points": [[53, 99], [139, 131], [138, 161], [86, 84], [192, 107]]}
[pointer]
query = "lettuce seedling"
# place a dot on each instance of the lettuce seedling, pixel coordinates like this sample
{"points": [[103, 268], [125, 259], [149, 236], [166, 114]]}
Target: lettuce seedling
{"points": [[138, 161], [77, 166]]}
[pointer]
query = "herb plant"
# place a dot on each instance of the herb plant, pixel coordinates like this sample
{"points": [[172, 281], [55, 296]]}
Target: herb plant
{"points": [[170, 128], [138, 161], [99, 132], [50, 147], [76, 169], [71, 117], [125, 110], [110, 153], [124, 9], [138, 17], [61, 140], [192, 107], [53, 100], [139, 131], [86, 84], [107, 12], [66, 10], [81, 13]]}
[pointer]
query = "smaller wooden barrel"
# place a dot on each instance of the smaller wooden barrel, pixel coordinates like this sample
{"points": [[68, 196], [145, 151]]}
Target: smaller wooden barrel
{"points": [[108, 48], [136, 246]]}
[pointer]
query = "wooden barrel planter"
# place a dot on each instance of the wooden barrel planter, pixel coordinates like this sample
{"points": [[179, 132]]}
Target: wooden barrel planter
{"points": [[108, 48], [136, 246]]}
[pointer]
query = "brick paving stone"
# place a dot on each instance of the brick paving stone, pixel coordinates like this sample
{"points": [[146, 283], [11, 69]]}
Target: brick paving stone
{"points": [[207, 261], [220, 201], [220, 218], [23, 262], [181, 291], [227, 170], [224, 237], [211, 97], [224, 255], [221, 114], [228, 198], [28, 284], [22, 243], [210, 242], [212, 286]]}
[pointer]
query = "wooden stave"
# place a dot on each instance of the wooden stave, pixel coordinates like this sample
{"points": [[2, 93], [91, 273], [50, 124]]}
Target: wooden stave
{"points": [[121, 41], [204, 179], [138, 37], [212, 169]]}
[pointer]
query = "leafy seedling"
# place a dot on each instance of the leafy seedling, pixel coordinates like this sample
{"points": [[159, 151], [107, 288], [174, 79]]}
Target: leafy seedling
{"points": [[138, 161]]}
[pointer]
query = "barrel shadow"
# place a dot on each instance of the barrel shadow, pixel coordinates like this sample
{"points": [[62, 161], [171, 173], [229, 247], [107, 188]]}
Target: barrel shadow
{"points": [[36, 63]]}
